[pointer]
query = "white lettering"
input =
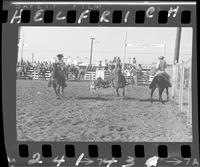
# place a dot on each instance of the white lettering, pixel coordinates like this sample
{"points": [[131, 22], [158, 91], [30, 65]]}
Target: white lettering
{"points": [[37, 14], [195, 162], [79, 159], [58, 17], [171, 10], [35, 159], [83, 16], [110, 162], [130, 161], [59, 161], [15, 16], [103, 16], [126, 16], [187, 160], [149, 12]]}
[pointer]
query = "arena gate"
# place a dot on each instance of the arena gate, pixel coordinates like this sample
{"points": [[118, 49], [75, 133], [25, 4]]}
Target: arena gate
{"points": [[182, 88], [90, 75]]}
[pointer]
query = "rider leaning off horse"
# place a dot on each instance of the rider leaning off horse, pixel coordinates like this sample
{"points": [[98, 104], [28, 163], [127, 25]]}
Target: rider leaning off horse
{"points": [[160, 68], [61, 64]]}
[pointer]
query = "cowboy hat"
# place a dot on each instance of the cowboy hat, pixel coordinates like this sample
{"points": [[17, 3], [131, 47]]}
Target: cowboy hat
{"points": [[60, 55], [161, 57]]}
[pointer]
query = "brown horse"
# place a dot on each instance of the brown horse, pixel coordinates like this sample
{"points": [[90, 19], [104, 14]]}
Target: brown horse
{"points": [[160, 82], [58, 80], [119, 80]]}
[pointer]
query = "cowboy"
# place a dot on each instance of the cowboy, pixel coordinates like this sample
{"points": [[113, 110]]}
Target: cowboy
{"points": [[160, 68], [118, 62], [134, 62], [61, 63]]}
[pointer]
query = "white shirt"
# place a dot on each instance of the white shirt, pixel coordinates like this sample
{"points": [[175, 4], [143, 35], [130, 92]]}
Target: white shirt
{"points": [[161, 65]]}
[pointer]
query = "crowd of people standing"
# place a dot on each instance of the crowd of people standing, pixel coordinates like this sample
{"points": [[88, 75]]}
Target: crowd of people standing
{"points": [[23, 67]]}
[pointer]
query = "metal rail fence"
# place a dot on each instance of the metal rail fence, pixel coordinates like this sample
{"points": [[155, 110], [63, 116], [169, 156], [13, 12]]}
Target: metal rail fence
{"points": [[182, 88]]}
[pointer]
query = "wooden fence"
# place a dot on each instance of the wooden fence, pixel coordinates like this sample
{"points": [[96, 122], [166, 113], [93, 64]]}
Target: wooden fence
{"points": [[90, 75], [182, 88]]}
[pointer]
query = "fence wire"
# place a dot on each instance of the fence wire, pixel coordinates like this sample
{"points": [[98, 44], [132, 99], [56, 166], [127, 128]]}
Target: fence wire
{"points": [[181, 87]]}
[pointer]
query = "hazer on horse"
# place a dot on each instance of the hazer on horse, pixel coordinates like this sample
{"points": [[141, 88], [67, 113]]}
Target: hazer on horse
{"points": [[57, 79], [161, 80], [119, 80]]}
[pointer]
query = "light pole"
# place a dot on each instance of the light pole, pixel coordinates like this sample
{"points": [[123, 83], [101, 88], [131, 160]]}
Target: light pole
{"points": [[91, 49], [124, 53], [22, 47]]}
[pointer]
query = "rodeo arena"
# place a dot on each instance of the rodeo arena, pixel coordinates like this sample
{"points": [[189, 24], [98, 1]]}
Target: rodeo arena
{"points": [[90, 108]]}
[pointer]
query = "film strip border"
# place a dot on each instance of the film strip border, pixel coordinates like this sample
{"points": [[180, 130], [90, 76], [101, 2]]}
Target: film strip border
{"points": [[94, 155], [162, 15], [95, 15], [115, 150]]}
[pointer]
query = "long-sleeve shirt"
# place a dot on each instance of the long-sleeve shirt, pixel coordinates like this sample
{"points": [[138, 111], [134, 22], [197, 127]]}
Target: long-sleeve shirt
{"points": [[161, 65]]}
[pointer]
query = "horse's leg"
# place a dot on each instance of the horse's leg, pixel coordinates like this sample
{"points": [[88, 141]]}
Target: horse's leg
{"points": [[58, 94], [62, 94], [167, 92], [63, 91], [160, 94], [117, 91], [55, 89], [124, 92], [159, 89], [152, 90]]}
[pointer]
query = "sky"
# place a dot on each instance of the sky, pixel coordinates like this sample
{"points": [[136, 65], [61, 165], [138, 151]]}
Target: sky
{"points": [[46, 42]]}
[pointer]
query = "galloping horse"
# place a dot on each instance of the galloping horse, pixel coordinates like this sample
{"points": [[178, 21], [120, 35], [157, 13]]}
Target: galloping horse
{"points": [[160, 82], [58, 79], [119, 80]]}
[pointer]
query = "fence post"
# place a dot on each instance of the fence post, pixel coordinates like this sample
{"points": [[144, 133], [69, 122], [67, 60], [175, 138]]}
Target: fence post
{"points": [[181, 88], [174, 79], [136, 79]]}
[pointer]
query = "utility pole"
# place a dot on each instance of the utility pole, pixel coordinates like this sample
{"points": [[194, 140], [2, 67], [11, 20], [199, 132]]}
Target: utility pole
{"points": [[176, 60], [92, 40], [177, 45], [125, 44], [22, 49]]}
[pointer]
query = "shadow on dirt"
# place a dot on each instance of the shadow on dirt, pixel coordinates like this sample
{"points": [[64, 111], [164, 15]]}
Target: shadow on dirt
{"points": [[130, 98], [94, 98], [149, 100]]}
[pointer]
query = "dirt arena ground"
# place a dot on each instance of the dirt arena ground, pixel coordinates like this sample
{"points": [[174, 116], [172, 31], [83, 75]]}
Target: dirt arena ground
{"points": [[83, 116]]}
